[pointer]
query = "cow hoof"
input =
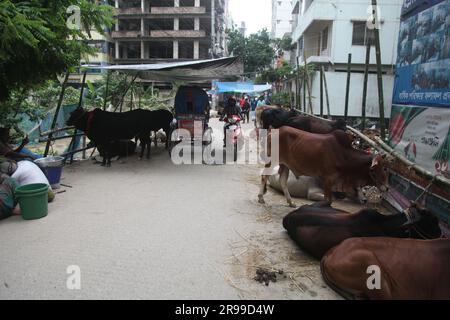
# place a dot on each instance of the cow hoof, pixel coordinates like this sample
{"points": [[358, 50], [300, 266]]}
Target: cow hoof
{"points": [[292, 205], [261, 200]]}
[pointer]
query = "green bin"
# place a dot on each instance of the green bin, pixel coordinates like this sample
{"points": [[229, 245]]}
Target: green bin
{"points": [[33, 200]]}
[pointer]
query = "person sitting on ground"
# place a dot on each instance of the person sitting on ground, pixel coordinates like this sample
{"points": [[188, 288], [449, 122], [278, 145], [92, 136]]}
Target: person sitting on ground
{"points": [[19, 153], [8, 201], [24, 173]]}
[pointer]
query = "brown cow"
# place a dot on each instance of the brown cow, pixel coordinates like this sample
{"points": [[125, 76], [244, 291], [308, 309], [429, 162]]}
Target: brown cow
{"points": [[329, 157], [317, 228], [408, 269]]}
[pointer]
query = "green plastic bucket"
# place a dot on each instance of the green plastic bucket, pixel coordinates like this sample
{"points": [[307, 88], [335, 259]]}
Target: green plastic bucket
{"points": [[33, 200]]}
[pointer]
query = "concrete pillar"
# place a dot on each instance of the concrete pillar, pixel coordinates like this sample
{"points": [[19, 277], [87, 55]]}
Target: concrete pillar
{"points": [[142, 28], [197, 3], [176, 24], [196, 49], [175, 49], [142, 50], [143, 5], [197, 24], [117, 20], [176, 3], [117, 50]]}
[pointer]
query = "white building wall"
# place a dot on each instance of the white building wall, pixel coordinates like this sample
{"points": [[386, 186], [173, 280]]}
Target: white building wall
{"points": [[281, 18], [337, 82]]}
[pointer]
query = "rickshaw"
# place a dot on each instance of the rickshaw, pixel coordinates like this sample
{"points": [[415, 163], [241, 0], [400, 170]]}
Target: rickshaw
{"points": [[192, 112]]}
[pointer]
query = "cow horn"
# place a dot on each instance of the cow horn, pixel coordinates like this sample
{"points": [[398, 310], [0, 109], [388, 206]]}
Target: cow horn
{"points": [[375, 162]]}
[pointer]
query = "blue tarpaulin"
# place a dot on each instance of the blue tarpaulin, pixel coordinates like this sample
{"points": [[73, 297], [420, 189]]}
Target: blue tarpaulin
{"points": [[239, 87]]}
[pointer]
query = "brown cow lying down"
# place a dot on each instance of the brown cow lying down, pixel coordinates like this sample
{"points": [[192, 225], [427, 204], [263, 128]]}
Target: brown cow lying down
{"points": [[409, 269], [317, 228], [331, 158]]}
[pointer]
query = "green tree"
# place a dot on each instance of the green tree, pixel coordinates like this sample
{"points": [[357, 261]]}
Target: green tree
{"points": [[36, 44], [256, 50]]}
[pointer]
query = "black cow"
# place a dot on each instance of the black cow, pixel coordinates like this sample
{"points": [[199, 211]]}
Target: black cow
{"points": [[277, 118], [103, 128], [318, 228]]}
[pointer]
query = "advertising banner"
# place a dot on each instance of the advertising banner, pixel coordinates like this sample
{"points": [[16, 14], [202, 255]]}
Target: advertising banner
{"points": [[422, 135], [423, 73], [420, 119]]}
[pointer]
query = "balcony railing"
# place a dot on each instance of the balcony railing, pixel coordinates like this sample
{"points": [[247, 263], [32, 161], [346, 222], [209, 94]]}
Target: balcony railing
{"points": [[177, 34], [126, 34], [178, 10], [125, 11]]}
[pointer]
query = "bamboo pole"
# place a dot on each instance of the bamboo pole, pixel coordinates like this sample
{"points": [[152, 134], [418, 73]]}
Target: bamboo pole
{"points": [[308, 85], [347, 89], [366, 79], [126, 91], [326, 92], [46, 133], [58, 108], [80, 104], [298, 91], [379, 72], [321, 92], [105, 99]]}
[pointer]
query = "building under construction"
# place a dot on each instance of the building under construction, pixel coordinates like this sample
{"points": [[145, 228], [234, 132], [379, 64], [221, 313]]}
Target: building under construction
{"points": [[151, 31]]}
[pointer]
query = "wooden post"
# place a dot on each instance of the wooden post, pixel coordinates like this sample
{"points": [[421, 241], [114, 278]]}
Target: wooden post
{"points": [[366, 79], [304, 92], [105, 99], [326, 92], [298, 91], [321, 91], [379, 71], [347, 91], [55, 117], [308, 86], [126, 91], [80, 104]]}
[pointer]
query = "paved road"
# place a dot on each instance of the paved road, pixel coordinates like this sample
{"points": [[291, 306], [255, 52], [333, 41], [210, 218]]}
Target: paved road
{"points": [[153, 230]]}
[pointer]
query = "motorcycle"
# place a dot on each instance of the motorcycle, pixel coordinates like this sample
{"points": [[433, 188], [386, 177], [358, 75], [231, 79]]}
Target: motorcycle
{"points": [[235, 135]]}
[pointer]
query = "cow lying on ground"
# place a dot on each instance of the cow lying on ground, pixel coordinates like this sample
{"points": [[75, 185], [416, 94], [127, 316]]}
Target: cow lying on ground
{"points": [[277, 118], [301, 187], [330, 157], [407, 269], [318, 228], [103, 127]]}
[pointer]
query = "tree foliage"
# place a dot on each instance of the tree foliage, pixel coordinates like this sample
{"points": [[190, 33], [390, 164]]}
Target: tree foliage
{"points": [[36, 45], [256, 50]]}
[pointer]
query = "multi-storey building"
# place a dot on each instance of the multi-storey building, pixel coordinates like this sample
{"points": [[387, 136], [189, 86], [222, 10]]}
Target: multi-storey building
{"points": [[150, 31], [281, 18], [326, 32], [281, 25]]}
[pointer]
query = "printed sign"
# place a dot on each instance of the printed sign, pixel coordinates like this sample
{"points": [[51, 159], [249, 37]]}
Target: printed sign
{"points": [[423, 73], [422, 135]]}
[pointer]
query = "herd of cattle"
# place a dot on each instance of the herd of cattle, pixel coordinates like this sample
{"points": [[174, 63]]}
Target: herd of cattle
{"points": [[407, 249], [348, 244]]}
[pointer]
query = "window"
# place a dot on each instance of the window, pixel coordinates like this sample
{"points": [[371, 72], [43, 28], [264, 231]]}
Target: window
{"points": [[361, 34]]}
